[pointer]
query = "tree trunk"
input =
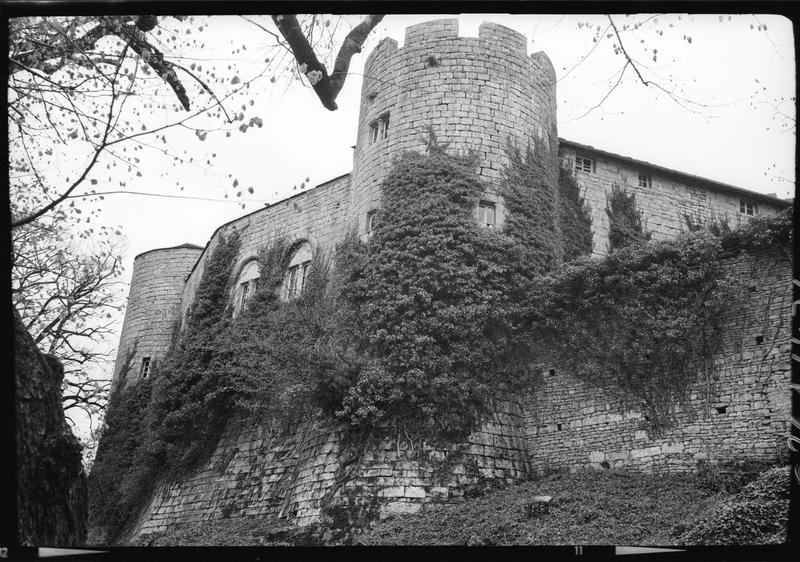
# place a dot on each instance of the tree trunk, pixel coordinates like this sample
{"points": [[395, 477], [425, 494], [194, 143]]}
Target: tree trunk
{"points": [[51, 485]]}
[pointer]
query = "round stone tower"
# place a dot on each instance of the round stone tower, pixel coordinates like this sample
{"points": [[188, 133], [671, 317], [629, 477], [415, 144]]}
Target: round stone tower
{"points": [[476, 93], [153, 306]]}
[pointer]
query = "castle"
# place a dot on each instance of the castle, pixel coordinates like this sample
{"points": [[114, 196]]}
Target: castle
{"points": [[476, 93]]}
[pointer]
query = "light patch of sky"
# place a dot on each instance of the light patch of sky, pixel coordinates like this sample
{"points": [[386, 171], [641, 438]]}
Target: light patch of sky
{"points": [[740, 76]]}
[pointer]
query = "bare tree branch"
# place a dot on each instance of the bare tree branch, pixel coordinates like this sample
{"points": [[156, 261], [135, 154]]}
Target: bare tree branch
{"points": [[326, 87]]}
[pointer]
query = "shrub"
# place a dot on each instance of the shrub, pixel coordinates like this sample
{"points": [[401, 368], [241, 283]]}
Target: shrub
{"points": [[575, 217], [759, 514], [761, 232], [624, 220]]}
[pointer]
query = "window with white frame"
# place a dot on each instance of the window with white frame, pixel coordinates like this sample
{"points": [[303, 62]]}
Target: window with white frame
{"points": [[246, 286], [379, 129], [144, 372], [294, 280], [747, 207], [644, 180], [583, 164], [487, 214]]}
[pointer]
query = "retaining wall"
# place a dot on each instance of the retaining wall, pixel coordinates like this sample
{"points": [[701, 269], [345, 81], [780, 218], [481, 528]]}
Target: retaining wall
{"points": [[743, 415]]}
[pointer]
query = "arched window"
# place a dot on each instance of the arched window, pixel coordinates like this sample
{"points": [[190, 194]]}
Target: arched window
{"points": [[246, 285], [296, 272]]}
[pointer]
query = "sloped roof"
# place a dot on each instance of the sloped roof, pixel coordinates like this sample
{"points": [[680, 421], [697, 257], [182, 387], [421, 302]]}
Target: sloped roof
{"points": [[681, 176]]}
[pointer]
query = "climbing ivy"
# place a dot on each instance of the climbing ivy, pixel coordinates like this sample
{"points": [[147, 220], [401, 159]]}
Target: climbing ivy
{"points": [[118, 483], [639, 322], [624, 220], [531, 194], [575, 217], [160, 427], [432, 296], [191, 400]]}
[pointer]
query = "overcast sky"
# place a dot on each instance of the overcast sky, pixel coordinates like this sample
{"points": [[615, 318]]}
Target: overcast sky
{"points": [[732, 119]]}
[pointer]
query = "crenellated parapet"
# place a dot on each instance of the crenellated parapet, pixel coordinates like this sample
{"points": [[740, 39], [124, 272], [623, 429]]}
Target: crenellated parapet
{"points": [[476, 93]]}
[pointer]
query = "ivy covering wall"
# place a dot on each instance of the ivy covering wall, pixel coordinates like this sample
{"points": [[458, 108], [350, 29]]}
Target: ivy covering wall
{"points": [[645, 321], [410, 330], [433, 300], [625, 223]]}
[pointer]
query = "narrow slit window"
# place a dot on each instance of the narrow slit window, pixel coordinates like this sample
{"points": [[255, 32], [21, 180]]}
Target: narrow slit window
{"points": [[487, 214], [370, 222], [293, 271], [145, 370], [245, 294]]}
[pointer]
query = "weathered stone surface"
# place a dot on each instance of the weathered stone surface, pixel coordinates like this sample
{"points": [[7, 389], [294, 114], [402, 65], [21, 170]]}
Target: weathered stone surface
{"points": [[51, 485], [476, 93], [742, 432]]}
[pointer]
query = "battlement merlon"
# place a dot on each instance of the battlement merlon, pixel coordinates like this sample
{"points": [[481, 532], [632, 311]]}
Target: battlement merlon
{"points": [[545, 66], [431, 31], [503, 36]]}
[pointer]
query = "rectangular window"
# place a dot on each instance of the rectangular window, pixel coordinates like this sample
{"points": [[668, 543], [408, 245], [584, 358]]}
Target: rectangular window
{"points": [[298, 275], [644, 181], [486, 214], [583, 164], [145, 370], [747, 207], [379, 129], [370, 222]]}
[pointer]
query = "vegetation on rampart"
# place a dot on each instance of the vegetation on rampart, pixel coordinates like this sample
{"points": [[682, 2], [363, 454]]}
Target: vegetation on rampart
{"points": [[575, 217], [433, 301], [644, 319], [604, 507], [594, 507], [408, 332]]}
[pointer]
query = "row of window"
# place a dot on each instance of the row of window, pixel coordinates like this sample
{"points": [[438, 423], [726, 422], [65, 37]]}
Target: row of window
{"points": [[587, 165], [294, 279]]}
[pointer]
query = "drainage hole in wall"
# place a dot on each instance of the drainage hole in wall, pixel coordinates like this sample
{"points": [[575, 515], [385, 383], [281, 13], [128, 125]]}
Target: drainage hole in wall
{"points": [[759, 340], [722, 409]]}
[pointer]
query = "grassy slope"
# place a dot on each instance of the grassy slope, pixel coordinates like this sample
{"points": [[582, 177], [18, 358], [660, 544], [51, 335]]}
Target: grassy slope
{"points": [[608, 507]]}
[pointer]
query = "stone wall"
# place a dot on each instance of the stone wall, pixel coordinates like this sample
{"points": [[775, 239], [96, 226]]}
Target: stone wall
{"points": [[153, 307], [476, 92], [743, 415], [318, 216], [664, 203], [303, 471]]}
